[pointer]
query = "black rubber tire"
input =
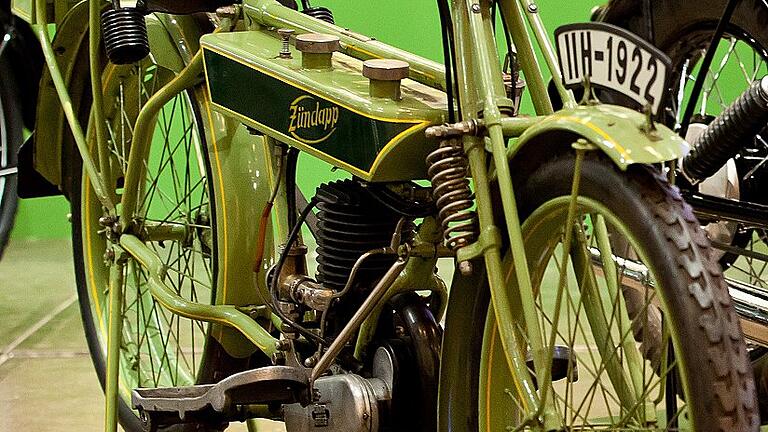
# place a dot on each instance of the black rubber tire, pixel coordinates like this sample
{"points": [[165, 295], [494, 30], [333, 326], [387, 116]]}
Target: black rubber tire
{"points": [[216, 363], [722, 383], [11, 129]]}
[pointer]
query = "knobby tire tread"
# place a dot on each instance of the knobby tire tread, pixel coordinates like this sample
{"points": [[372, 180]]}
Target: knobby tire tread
{"points": [[725, 350]]}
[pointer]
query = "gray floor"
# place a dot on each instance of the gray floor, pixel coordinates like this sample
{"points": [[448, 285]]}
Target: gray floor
{"points": [[47, 382]]}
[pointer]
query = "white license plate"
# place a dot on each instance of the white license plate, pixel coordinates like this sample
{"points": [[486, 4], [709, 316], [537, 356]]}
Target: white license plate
{"points": [[614, 59]]}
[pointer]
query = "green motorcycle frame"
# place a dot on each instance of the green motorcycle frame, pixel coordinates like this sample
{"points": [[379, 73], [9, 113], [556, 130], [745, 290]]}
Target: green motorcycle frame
{"points": [[336, 107]]}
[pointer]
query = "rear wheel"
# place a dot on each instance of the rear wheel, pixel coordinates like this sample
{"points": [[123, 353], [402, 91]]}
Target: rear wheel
{"points": [[605, 377], [11, 129], [683, 30], [158, 348]]}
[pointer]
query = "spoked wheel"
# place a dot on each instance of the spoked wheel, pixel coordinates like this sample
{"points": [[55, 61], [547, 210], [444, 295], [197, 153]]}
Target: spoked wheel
{"points": [[647, 344], [10, 140], [175, 218], [683, 30]]}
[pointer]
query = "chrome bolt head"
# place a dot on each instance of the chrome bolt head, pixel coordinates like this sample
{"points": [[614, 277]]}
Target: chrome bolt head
{"points": [[285, 36], [465, 267]]}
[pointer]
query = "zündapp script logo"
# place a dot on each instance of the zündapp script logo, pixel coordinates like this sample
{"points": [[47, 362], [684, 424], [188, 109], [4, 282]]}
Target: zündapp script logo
{"points": [[312, 121]]}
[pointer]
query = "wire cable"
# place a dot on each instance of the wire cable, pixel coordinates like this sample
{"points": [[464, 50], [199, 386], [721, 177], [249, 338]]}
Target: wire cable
{"points": [[276, 276], [449, 47]]}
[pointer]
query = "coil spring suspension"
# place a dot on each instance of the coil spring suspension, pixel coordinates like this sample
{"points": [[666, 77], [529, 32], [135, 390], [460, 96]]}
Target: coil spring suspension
{"points": [[321, 13], [448, 167], [124, 33]]}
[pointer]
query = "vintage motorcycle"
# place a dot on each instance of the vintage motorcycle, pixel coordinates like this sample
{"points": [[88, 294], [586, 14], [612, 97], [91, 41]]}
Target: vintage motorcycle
{"points": [[718, 100], [585, 294]]}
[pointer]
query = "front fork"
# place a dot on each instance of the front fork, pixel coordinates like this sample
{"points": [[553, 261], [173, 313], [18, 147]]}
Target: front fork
{"points": [[477, 63]]}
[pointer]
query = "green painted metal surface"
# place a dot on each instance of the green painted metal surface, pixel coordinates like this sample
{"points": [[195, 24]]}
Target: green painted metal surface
{"points": [[49, 140], [24, 9], [327, 113], [222, 314], [617, 131]]}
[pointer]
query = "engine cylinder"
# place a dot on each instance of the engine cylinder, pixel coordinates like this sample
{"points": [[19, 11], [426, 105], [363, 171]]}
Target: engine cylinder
{"points": [[350, 223]]}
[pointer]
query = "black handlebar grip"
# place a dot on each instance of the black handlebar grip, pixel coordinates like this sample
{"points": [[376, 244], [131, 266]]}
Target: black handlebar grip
{"points": [[728, 133]]}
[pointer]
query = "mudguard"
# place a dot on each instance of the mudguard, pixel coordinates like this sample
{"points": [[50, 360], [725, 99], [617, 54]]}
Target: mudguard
{"points": [[53, 143], [622, 134]]}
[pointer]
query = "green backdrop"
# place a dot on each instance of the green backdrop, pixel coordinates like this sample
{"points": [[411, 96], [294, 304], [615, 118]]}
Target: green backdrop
{"points": [[412, 25]]}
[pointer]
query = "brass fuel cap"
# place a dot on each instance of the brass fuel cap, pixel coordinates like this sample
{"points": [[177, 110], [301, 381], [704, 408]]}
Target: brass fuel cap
{"points": [[317, 49], [385, 76], [317, 43], [385, 69]]}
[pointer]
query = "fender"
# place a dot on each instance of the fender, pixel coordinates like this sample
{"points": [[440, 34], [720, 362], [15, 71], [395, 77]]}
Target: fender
{"points": [[619, 132], [615, 11], [53, 144]]}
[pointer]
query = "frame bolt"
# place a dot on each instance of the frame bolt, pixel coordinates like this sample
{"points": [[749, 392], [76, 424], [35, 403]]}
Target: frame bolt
{"points": [[231, 12], [465, 267], [310, 361], [533, 8], [278, 358], [283, 345], [109, 255], [475, 8], [285, 36]]}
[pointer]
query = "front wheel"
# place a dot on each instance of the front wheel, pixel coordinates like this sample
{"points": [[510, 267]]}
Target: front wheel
{"points": [[645, 337]]}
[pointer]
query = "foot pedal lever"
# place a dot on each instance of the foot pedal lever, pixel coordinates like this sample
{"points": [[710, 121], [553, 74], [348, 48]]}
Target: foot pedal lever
{"points": [[218, 404], [563, 365]]}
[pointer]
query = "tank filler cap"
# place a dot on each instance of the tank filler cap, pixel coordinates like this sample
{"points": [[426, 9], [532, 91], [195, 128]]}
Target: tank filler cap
{"points": [[317, 50], [317, 43], [385, 76]]}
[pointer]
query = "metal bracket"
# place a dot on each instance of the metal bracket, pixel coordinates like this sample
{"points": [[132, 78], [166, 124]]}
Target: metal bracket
{"points": [[489, 238]]}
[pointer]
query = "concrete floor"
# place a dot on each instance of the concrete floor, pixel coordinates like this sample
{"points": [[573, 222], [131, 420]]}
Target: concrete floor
{"points": [[47, 381]]}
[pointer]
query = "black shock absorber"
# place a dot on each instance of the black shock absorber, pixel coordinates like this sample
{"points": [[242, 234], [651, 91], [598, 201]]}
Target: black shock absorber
{"points": [[728, 133], [124, 33]]}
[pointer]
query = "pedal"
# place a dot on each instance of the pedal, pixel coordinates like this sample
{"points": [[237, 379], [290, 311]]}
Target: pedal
{"points": [[564, 365], [218, 404]]}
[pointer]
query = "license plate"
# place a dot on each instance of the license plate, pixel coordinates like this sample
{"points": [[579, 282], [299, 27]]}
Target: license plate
{"points": [[614, 59]]}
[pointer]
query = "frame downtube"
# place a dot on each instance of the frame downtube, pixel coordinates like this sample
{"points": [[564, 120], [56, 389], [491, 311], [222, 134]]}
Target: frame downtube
{"points": [[115, 324], [542, 40], [97, 112], [479, 46]]}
